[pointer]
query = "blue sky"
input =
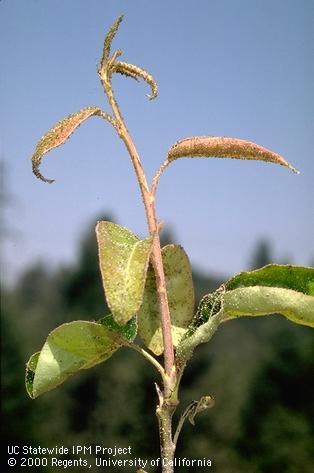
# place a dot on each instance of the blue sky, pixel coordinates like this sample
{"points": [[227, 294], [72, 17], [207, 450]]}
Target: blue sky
{"points": [[234, 68]]}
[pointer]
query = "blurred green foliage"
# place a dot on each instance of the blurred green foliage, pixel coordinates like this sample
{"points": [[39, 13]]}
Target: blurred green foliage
{"points": [[259, 372]]}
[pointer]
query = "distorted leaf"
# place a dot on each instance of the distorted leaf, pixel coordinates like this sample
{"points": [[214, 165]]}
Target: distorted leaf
{"points": [[109, 65], [221, 147], [180, 293], [135, 72], [68, 349], [123, 262], [60, 133]]}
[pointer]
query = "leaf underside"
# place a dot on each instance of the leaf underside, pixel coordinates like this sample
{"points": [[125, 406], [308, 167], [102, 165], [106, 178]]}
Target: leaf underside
{"points": [[222, 147], [72, 347], [123, 262], [284, 289], [68, 349], [261, 300], [180, 293]]}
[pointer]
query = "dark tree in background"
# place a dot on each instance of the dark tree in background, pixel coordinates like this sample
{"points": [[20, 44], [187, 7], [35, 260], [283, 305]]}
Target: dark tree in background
{"points": [[258, 370]]}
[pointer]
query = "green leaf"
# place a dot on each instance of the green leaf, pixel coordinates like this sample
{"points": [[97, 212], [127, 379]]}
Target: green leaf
{"points": [[123, 262], [180, 293], [128, 331], [274, 289], [282, 289], [60, 133], [297, 278], [221, 147], [68, 349]]}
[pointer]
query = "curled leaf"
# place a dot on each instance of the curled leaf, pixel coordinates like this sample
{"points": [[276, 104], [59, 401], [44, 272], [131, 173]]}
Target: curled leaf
{"points": [[194, 408], [263, 300], [108, 40], [60, 133], [274, 289], [222, 147], [135, 72], [124, 72], [283, 289]]}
